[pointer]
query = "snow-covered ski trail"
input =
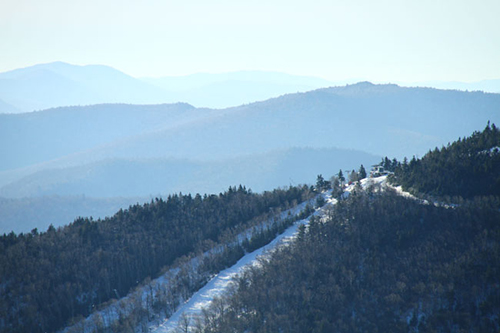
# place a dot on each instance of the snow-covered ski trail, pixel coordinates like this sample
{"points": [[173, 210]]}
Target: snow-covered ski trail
{"points": [[220, 283]]}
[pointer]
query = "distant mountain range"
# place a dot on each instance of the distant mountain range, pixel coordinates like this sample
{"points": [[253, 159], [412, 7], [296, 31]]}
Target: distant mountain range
{"points": [[376, 119], [59, 84]]}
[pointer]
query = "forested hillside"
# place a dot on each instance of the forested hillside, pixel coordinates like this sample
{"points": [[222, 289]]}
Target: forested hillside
{"points": [[466, 168], [48, 278], [381, 262]]}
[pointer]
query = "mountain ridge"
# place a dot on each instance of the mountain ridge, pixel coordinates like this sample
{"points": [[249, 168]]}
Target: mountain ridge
{"points": [[57, 84], [400, 121], [60, 84]]}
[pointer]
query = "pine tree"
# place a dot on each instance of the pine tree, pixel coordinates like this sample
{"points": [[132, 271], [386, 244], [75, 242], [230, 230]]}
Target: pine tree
{"points": [[320, 183], [362, 172], [341, 176]]}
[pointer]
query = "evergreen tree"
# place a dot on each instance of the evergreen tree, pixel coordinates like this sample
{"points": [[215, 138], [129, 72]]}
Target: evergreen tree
{"points": [[337, 189], [362, 172], [341, 176], [321, 183]]}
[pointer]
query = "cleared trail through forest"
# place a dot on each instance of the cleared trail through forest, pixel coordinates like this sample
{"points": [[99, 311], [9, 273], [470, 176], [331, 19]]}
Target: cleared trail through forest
{"points": [[220, 283], [192, 309]]}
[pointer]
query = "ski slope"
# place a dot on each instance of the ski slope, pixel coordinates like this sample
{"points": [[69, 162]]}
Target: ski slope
{"points": [[221, 282]]}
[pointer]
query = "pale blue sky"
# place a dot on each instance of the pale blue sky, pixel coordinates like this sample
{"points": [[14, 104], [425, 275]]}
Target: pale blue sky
{"points": [[381, 41]]}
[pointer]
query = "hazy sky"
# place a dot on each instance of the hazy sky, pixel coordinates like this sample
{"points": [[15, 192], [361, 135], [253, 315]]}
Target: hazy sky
{"points": [[363, 39]]}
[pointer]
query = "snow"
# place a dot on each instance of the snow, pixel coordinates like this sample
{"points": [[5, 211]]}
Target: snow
{"points": [[219, 284], [491, 152], [399, 190], [222, 281], [366, 182]]}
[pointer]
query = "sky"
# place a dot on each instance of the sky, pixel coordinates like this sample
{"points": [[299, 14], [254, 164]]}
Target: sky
{"points": [[380, 41]]}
